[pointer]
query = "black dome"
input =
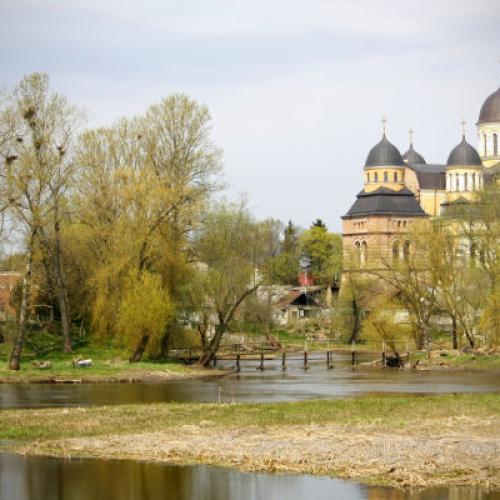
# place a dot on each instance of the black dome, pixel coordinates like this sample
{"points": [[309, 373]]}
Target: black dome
{"points": [[384, 154], [490, 110], [464, 154], [411, 156]]}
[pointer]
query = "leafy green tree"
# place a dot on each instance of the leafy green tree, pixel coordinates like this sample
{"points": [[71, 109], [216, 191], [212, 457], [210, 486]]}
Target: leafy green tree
{"points": [[319, 223], [285, 265], [325, 250]]}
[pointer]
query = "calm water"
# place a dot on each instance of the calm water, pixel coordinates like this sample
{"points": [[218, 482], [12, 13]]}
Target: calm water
{"points": [[252, 385], [57, 479]]}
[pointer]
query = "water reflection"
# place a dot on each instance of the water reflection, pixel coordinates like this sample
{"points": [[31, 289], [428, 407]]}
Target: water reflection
{"points": [[252, 385], [33, 478]]}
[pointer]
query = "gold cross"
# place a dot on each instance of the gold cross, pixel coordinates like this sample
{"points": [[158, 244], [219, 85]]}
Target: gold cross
{"points": [[463, 126], [411, 131], [384, 122]]}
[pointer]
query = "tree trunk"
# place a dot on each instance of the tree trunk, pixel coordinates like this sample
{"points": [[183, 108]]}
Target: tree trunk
{"points": [[61, 289], [139, 350], [224, 320], [15, 358], [202, 330], [454, 339], [213, 346], [356, 323], [165, 345]]}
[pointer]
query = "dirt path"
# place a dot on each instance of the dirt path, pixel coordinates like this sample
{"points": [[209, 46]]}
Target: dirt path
{"points": [[446, 451]]}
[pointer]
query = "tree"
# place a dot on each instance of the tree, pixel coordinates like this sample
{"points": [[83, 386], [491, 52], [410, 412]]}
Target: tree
{"points": [[413, 280], [143, 312], [36, 174], [285, 266], [226, 244], [319, 223], [325, 250], [144, 183]]}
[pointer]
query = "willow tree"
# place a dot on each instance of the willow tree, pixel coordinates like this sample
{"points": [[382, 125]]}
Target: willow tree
{"points": [[143, 184], [143, 313]]}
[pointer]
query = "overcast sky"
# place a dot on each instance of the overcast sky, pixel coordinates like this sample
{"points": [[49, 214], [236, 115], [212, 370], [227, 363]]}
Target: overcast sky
{"points": [[296, 88]]}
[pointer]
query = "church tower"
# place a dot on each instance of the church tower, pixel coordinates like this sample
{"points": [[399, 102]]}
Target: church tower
{"points": [[374, 227], [464, 172], [488, 129]]}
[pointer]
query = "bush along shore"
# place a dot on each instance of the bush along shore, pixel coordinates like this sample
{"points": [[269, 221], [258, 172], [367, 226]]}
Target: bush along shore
{"points": [[399, 441]]}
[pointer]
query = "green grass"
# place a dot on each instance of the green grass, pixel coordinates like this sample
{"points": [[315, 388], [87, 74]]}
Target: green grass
{"points": [[479, 361], [107, 363], [383, 412]]}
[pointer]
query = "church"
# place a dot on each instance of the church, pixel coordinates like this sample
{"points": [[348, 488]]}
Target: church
{"points": [[399, 189]]}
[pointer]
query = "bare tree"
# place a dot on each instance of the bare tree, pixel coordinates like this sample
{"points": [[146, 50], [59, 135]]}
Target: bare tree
{"points": [[226, 244]]}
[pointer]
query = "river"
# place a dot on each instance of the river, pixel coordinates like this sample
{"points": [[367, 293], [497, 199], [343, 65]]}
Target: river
{"points": [[34, 478]]}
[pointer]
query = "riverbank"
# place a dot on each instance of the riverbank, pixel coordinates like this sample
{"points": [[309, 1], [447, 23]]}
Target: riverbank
{"points": [[108, 365], [400, 441]]}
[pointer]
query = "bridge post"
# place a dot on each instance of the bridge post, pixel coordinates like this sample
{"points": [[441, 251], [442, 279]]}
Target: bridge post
{"points": [[261, 366], [283, 361], [353, 353], [305, 360], [329, 364]]}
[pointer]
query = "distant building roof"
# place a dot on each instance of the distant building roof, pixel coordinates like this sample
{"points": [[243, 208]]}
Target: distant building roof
{"points": [[385, 201], [430, 176]]}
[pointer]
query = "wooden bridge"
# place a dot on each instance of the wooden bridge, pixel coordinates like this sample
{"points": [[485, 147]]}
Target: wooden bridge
{"points": [[265, 353]]}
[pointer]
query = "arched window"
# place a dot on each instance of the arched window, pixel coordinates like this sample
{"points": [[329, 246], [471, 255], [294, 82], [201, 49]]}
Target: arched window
{"points": [[376, 176], [357, 253], [395, 177], [495, 145], [485, 145], [473, 181], [395, 250], [368, 177], [406, 250], [364, 253], [466, 181], [386, 177], [457, 182]]}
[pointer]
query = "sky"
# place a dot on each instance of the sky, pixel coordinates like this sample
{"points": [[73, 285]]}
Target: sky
{"points": [[296, 88]]}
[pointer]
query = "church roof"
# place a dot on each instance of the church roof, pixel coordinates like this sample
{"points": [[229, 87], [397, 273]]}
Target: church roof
{"points": [[464, 154], [384, 154], [430, 176], [490, 110], [385, 201], [411, 156]]}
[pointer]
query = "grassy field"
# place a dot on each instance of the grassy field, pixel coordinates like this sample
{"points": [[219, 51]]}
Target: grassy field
{"points": [[108, 364], [403, 411]]}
